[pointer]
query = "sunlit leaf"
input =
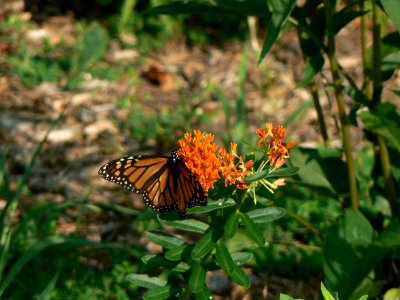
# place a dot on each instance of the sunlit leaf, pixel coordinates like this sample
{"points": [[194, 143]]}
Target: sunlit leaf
{"points": [[265, 215], [186, 224], [145, 280], [164, 239]]}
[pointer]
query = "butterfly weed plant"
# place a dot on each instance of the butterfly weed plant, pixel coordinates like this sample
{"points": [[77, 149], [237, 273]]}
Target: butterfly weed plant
{"points": [[229, 180]]}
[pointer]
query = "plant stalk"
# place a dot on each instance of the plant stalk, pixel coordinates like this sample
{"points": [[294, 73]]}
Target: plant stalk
{"points": [[345, 125], [376, 100]]}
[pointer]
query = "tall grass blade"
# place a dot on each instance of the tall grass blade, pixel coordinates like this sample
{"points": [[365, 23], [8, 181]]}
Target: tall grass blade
{"points": [[9, 210], [34, 251]]}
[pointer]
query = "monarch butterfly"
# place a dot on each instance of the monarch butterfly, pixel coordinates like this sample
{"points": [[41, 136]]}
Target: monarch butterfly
{"points": [[164, 181]]}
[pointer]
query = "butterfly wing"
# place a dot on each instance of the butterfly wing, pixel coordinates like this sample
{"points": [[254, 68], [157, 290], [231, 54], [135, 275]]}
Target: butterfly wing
{"points": [[164, 181]]}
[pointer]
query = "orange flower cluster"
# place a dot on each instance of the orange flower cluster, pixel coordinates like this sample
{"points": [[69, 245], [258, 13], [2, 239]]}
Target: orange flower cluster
{"points": [[231, 172], [271, 139], [198, 152]]}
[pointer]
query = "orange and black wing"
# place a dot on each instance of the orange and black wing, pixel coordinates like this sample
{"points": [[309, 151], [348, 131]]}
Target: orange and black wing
{"points": [[164, 181]]}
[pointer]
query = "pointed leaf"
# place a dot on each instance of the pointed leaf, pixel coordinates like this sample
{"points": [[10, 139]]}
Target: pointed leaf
{"points": [[213, 205], [342, 18], [283, 172], [197, 279], [240, 277], [240, 258], [282, 10], [186, 224], [158, 261], [145, 280], [206, 243], [265, 215], [166, 240], [179, 252], [232, 225], [252, 230], [224, 258], [327, 295]]}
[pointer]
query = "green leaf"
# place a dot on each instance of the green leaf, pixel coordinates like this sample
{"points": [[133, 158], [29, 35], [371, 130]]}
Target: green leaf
{"points": [[240, 277], [197, 279], [256, 177], [204, 294], [325, 293], [206, 243], [231, 225], [145, 280], [392, 8], [166, 240], [240, 258], [385, 122], [213, 205], [224, 258], [283, 172], [159, 292], [179, 252], [265, 215], [315, 170], [278, 173], [281, 10], [186, 224], [312, 67], [252, 230], [342, 18], [350, 253], [158, 261]]}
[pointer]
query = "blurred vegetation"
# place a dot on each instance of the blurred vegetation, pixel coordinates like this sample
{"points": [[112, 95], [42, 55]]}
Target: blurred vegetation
{"points": [[342, 208]]}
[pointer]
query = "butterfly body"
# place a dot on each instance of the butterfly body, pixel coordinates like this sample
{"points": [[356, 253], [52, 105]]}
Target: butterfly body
{"points": [[164, 181]]}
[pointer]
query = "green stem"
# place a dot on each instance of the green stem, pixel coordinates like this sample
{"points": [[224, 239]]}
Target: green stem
{"points": [[364, 57], [376, 100], [345, 126], [304, 222]]}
